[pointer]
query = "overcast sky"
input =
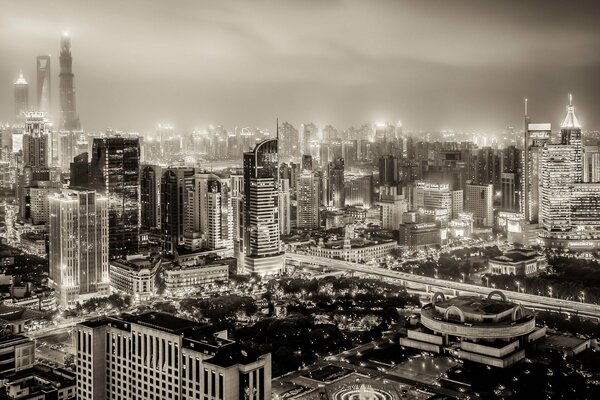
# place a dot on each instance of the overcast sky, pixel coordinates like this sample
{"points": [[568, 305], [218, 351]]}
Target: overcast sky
{"points": [[432, 64]]}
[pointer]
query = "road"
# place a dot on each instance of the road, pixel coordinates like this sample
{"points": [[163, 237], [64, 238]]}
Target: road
{"points": [[431, 285]]}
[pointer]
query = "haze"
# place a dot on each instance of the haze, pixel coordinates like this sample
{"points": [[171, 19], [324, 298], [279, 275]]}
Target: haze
{"points": [[432, 64]]}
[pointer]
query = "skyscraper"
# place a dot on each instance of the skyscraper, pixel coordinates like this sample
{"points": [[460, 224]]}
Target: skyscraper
{"points": [[114, 173], [21, 98], [44, 94], [557, 176], [174, 187], [570, 134], [261, 241], [537, 135], [78, 245], [150, 196], [308, 199], [35, 140], [335, 184], [479, 202], [68, 114]]}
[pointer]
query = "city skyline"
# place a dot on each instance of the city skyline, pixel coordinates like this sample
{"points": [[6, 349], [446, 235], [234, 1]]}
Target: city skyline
{"points": [[244, 66]]}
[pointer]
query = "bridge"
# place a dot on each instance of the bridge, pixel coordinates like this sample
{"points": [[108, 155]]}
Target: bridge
{"points": [[431, 285]]}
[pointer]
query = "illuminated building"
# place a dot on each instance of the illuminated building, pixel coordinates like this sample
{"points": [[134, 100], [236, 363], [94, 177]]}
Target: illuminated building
{"points": [[160, 356], [509, 193], [570, 134], [537, 135], [78, 245], [136, 275], [392, 207], [358, 190], [115, 173], [591, 164], [482, 330], [525, 262], [21, 98], [353, 250], [308, 199], [284, 204], [68, 113], [44, 94], [557, 176], [261, 240], [35, 140], [479, 202]]}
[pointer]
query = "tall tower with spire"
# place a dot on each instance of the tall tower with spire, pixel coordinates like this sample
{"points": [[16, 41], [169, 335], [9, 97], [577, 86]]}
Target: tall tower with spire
{"points": [[570, 133], [68, 114], [21, 98]]}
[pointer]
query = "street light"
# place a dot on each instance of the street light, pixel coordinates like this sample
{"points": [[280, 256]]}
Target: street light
{"points": [[487, 279], [518, 286]]}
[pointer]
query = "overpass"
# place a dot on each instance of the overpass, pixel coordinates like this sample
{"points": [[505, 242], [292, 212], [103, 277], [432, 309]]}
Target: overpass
{"points": [[432, 285]]}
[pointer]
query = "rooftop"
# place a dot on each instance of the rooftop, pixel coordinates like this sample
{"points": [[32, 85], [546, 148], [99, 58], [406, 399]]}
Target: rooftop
{"points": [[477, 305]]}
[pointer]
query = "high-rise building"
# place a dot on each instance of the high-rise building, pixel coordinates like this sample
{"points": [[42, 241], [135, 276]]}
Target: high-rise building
{"points": [[479, 202], [80, 171], [591, 164], [285, 209], [509, 191], [174, 187], [69, 120], [150, 196], [262, 253], [392, 207], [358, 191], [570, 134], [78, 245], [159, 356], [537, 135], [35, 140], [115, 173], [335, 184], [558, 173], [44, 94], [219, 224], [21, 98], [308, 200]]}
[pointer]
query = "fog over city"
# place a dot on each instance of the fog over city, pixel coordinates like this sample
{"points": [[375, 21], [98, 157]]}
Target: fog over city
{"points": [[432, 64]]}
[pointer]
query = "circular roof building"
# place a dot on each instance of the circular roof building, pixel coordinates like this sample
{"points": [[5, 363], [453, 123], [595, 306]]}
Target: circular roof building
{"points": [[489, 330]]}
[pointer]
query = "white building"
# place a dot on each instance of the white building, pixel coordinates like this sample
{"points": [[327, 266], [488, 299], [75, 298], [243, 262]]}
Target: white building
{"points": [[78, 245], [136, 276], [480, 202], [159, 356]]}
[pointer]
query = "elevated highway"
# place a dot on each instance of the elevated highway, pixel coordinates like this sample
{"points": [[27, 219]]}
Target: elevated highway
{"points": [[430, 285]]}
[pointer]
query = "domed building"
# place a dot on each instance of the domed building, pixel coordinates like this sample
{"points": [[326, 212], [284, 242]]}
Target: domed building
{"points": [[491, 331]]}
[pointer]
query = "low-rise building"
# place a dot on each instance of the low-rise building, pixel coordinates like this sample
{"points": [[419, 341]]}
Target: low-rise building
{"points": [[34, 243], [136, 275], [38, 383], [353, 250], [418, 235], [181, 278], [483, 330], [525, 262]]}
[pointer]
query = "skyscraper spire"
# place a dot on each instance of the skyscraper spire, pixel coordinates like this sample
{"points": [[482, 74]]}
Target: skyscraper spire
{"points": [[570, 120], [68, 111], [526, 104]]}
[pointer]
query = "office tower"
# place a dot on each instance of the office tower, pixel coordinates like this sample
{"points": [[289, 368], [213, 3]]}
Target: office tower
{"points": [[486, 166], [174, 187], [335, 184], [44, 94], [261, 241], [570, 134], [21, 98], [308, 135], [34, 201], [358, 191], [558, 173], [511, 159], [78, 245], [115, 173], [150, 182], [537, 135], [308, 199], [236, 183], [479, 202], [35, 140], [285, 208], [509, 191], [67, 148], [289, 140], [218, 229], [392, 206], [591, 164], [159, 356], [388, 171], [457, 204], [80, 171], [69, 120], [585, 209], [307, 162]]}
